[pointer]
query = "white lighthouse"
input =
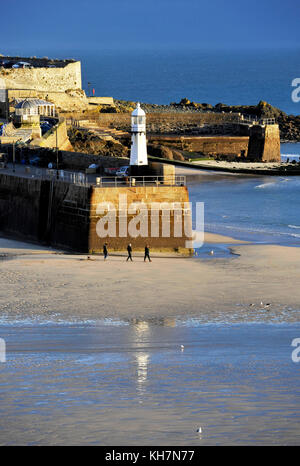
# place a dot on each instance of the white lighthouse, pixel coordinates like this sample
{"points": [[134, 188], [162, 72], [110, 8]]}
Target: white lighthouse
{"points": [[138, 153]]}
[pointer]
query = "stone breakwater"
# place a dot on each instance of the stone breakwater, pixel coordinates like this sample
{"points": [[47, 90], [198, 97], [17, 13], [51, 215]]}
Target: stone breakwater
{"points": [[289, 125]]}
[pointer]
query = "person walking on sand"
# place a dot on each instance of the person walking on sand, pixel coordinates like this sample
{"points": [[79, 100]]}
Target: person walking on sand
{"points": [[147, 253], [129, 250], [105, 252]]}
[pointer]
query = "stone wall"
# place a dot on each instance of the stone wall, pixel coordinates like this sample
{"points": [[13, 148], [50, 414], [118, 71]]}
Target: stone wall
{"points": [[58, 79], [65, 215], [101, 101], [146, 196], [69, 212], [71, 100], [264, 143], [21, 201], [55, 137], [272, 144], [81, 161], [165, 122], [206, 145]]}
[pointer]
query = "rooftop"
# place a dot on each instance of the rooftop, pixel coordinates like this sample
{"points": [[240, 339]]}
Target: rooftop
{"points": [[31, 103]]}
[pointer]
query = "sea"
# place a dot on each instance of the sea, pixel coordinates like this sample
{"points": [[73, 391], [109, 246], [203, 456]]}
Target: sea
{"points": [[260, 209], [156, 381]]}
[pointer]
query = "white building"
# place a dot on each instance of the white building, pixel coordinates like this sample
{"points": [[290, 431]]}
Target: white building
{"points": [[138, 153], [34, 107]]}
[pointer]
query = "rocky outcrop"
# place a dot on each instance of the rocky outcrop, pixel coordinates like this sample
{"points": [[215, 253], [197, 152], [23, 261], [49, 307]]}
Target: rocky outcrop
{"points": [[289, 125], [89, 143], [158, 150]]}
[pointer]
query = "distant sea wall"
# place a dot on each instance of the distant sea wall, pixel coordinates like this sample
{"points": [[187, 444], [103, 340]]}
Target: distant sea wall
{"points": [[165, 122], [225, 145]]}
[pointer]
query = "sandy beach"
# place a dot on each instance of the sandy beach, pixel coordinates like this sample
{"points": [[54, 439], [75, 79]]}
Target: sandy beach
{"points": [[36, 281]]}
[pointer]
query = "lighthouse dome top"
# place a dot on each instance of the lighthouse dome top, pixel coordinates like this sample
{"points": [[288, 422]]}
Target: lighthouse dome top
{"points": [[138, 111]]}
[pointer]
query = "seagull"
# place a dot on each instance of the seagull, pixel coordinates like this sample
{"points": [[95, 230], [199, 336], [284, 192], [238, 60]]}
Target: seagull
{"points": [[182, 347], [199, 430], [211, 253]]}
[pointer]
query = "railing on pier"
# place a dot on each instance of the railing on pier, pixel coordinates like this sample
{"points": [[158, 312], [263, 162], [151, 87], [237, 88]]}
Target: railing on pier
{"points": [[65, 176], [167, 180], [267, 121], [108, 182], [253, 120]]}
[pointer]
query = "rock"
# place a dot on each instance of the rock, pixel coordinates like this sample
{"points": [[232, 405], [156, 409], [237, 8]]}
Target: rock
{"points": [[158, 150], [88, 142], [185, 101], [166, 153], [177, 155]]}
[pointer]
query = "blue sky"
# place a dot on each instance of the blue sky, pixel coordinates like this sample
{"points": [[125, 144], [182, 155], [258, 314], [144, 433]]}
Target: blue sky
{"points": [[38, 27]]}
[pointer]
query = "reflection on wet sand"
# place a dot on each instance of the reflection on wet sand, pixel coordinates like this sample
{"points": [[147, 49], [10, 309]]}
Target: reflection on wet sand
{"points": [[143, 325], [142, 361], [132, 384]]}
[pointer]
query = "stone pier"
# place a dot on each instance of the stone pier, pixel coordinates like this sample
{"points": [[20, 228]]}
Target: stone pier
{"points": [[264, 143], [66, 215]]}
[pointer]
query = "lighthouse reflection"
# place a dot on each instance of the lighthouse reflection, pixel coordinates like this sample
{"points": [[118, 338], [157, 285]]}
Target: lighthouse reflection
{"points": [[142, 337], [142, 358]]}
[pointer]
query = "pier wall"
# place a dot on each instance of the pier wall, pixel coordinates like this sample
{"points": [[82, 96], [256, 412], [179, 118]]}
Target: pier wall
{"points": [[65, 215], [264, 143], [21, 201], [144, 197]]}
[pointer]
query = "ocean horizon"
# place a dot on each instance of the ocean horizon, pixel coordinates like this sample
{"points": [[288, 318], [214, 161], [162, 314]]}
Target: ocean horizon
{"points": [[160, 76], [164, 75]]}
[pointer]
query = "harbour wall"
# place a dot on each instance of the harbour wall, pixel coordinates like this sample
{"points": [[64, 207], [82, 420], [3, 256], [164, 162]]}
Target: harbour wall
{"points": [[66, 215], [226, 145], [164, 123], [264, 140]]}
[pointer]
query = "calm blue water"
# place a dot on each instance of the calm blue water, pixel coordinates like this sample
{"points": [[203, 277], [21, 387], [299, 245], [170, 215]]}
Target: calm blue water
{"points": [[260, 209], [231, 77], [290, 151]]}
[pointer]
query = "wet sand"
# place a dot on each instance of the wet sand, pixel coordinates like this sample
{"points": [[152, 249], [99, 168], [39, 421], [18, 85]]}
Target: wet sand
{"points": [[133, 385]]}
